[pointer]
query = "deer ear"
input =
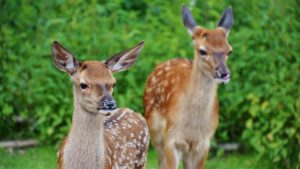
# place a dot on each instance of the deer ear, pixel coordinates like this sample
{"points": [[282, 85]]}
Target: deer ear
{"points": [[226, 20], [187, 19], [63, 59], [125, 59]]}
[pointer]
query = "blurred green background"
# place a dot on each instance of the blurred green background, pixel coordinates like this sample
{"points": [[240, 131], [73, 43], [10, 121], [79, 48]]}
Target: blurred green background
{"points": [[259, 108]]}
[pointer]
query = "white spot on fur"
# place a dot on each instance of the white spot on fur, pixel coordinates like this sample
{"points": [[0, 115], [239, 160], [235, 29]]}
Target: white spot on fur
{"points": [[168, 96], [82, 80], [153, 80], [185, 65], [167, 68], [202, 47], [159, 73]]}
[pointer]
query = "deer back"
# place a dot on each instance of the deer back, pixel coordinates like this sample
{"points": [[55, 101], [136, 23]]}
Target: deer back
{"points": [[126, 139]]}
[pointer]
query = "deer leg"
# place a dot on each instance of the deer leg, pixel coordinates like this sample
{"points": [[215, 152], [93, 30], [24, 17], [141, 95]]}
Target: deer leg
{"points": [[201, 161], [187, 161], [161, 158], [172, 156], [195, 160]]}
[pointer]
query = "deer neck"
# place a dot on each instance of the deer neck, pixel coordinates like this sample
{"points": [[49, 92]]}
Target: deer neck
{"points": [[85, 143], [201, 92]]}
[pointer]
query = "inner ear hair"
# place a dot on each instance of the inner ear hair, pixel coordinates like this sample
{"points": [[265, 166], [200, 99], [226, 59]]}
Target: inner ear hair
{"points": [[226, 21], [63, 59], [125, 59]]}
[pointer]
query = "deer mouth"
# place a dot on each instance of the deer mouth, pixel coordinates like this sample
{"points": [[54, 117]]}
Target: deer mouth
{"points": [[106, 112], [223, 78], [107, 106]]}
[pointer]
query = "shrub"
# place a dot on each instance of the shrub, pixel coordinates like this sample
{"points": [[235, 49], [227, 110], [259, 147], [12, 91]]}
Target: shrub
{"points": [[259, 107]]}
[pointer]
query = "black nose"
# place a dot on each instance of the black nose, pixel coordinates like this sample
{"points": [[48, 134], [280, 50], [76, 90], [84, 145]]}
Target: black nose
{"points": [[109, 104], [223, 75], [222, 72]]}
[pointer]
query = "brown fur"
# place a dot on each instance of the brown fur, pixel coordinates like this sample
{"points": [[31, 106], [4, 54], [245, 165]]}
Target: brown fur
{"points": [[181, 103], [61, 155], [101, 136], [132, 147], [121, 148]]}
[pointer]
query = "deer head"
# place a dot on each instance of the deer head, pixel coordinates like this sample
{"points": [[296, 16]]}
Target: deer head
{"points": [[211, 46], [93, 81]]}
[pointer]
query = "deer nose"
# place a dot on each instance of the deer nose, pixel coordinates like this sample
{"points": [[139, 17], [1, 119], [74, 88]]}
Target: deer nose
{"points": [[222, 72], [225, 74], [109, 104]]}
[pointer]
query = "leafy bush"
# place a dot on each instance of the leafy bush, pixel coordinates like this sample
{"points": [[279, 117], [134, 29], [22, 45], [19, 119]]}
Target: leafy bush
{"points": [[259, 107]]}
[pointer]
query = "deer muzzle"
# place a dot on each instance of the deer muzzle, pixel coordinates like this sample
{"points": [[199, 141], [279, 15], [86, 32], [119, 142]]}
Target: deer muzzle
{"points": [[222, 74], [107, 106]]}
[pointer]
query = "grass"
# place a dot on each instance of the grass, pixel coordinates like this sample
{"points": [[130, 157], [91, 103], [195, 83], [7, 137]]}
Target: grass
{"points": [[45, 158]]}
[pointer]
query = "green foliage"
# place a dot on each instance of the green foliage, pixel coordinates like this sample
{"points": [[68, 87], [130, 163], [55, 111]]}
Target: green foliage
{"points": [[259, 107], [45, 158]]}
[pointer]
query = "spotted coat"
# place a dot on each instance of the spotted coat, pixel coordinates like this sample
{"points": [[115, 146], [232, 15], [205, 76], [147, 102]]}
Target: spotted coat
{"points": [[126, 140], [130, 137]]}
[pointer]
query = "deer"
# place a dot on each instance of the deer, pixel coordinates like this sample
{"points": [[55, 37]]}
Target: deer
{"points": [[101, 136], [180, 98]]}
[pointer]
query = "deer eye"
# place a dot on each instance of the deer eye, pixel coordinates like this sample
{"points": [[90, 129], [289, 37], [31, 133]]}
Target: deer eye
{"points": [[83, 85], [202, 52]]}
